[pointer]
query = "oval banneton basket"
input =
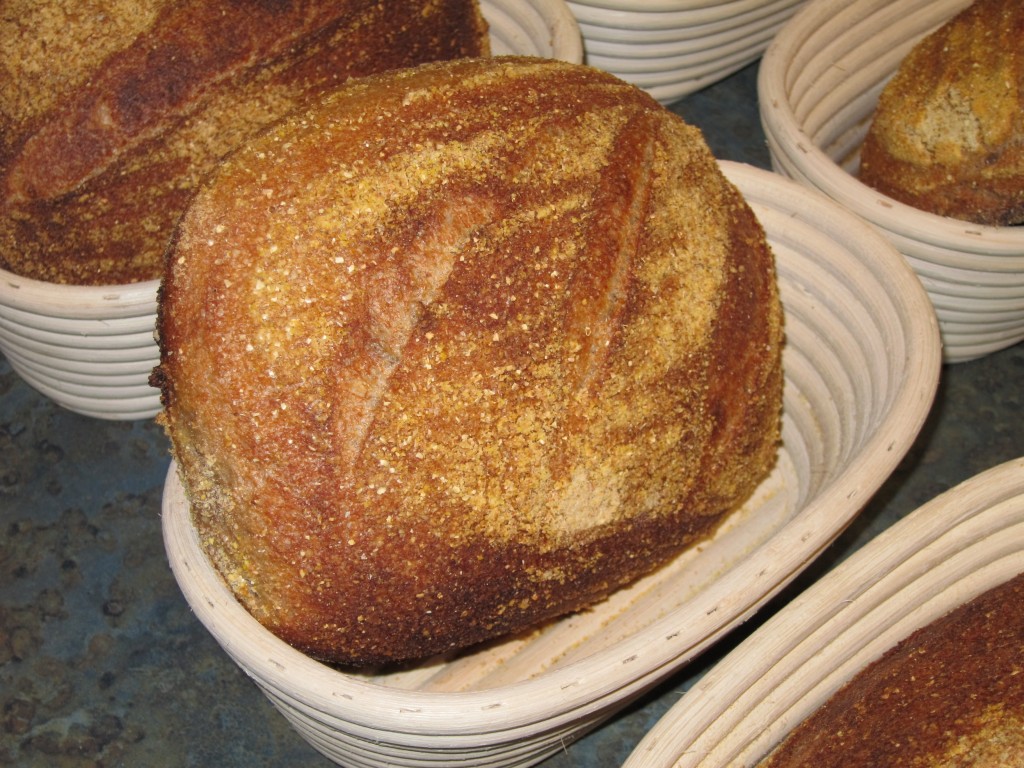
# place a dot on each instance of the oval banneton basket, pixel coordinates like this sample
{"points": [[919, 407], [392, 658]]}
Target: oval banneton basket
{"points": [[953, 548], [90, 349], [672, 48], [818, 86], [861, 366]]}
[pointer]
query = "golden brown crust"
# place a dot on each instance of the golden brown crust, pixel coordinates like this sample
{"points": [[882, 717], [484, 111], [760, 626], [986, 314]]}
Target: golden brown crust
{"points": [[467, 347], [101, 147], [948, 134], [950, 695]]}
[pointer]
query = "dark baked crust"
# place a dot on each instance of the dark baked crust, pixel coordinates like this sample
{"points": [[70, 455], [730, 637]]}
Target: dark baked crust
{"points": [[948, 134], [951, 694], [465, 348], [104, 138]]}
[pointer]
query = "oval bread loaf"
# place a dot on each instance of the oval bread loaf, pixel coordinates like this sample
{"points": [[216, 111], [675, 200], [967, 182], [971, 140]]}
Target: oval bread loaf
{"points": [[466, 347], [111, 111], [948, 134]]}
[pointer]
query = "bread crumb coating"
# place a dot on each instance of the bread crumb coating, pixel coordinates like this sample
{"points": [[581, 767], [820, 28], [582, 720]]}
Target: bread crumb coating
{"points": [[111, 112], [948, 134], [949, 696], [466, 347]]}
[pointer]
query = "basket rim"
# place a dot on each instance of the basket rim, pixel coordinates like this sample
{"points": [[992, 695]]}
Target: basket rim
{"points": [[83, 302], [587, 686], [627, 17], [565, 38], [960, 243], [877, 578]]}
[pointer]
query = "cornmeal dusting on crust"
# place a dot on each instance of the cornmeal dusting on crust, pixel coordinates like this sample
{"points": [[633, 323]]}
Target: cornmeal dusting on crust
{"points": [[112, 112], [996, 742], [463, 348], [37, 34], [949, 696], [948, 133]]}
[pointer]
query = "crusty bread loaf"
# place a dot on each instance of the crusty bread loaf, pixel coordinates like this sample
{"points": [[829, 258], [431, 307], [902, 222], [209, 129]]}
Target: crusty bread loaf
{"points": [[951, 695], [948, 133], [110, 112], [467, 347]]}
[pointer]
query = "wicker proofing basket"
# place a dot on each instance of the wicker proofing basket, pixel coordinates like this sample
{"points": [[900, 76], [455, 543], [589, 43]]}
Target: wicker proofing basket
{"points": [[818, 86], [671, 48], [861, 366], [90, 348], [957, 546]]}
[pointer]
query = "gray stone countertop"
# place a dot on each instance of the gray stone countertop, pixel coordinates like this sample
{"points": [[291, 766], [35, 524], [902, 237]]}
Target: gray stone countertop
{"points": [[103, 664]]}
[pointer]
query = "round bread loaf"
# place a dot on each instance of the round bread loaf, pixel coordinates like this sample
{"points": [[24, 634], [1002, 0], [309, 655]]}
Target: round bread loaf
{"points": [[111, 111], [949, 696], [465, 347], [948, 134]]}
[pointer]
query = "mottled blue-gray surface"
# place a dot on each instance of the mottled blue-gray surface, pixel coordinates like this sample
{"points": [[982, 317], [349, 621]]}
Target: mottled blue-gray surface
{"points": [[101, 661]]}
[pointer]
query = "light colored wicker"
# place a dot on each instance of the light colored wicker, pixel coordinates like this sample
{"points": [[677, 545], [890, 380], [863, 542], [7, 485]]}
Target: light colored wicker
{"points": [[960, 544], [543, 28], [91, 349], [818, 85], [861, 367], [671, 49]]}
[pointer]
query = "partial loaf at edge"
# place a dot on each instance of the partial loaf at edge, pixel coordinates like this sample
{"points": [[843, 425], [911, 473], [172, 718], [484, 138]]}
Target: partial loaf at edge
{"points": [[950, 695], [468, 347], [948, 134], [111, 112]]}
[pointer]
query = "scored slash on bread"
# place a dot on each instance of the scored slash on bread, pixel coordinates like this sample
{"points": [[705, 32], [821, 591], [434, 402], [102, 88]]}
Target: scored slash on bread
{"points": [[463, 348]]}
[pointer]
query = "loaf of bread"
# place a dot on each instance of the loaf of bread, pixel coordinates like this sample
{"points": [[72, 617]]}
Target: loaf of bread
{"points": [[949, 696], [466, 347], [948, 133], [111, 112]]}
